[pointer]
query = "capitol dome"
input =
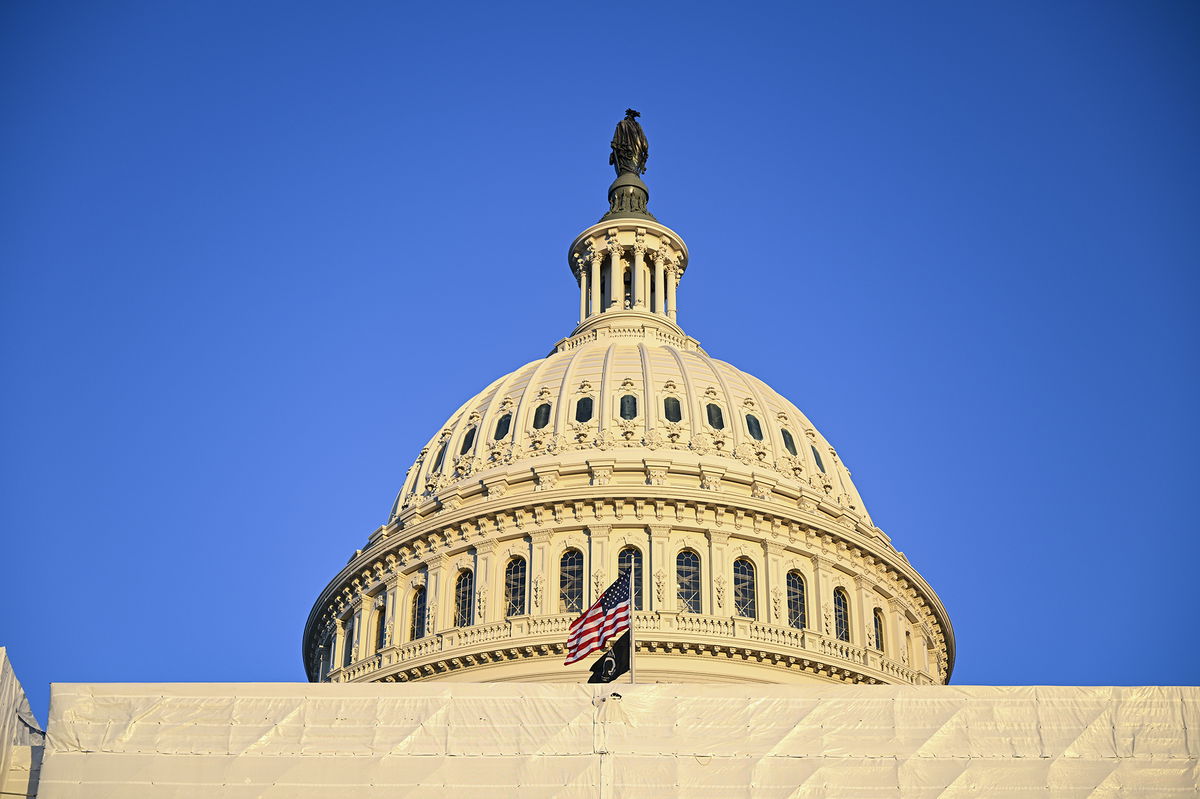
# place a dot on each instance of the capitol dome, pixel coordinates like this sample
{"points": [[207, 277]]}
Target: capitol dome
{"points": [[628, 448]]}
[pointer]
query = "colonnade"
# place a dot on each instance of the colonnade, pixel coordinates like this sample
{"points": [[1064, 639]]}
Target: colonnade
{"points": [[611, 281], [600, 546]]}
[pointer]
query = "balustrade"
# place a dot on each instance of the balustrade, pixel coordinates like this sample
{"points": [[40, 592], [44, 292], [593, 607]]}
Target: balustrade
{"points": [[646, 624]]}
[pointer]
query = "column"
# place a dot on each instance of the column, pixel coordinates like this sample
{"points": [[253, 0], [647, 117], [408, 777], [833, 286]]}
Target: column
{"points": [[360, 619], [672, 284], [597, 302], [774, 584], [616, 279], [720, 576], [897, 624], [434, 612], [487, 600], [660, 571], [863, 616], [659, 287], [393, 611], [597, 561], [583, 292], [639, 276], [821, 601], [543, 595], [338, 644]]}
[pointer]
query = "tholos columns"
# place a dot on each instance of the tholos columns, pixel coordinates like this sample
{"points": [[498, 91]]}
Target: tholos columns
{"points": [[639, 277], [594, 274], [659, 288], [672, 284], [583, 293], [616, 279]]}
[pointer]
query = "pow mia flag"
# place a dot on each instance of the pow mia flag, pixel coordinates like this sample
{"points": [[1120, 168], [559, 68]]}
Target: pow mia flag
{"points": [[613, 663]]}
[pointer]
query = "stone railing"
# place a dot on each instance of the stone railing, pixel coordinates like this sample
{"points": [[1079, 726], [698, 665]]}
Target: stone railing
{"points": [[648, 625]]}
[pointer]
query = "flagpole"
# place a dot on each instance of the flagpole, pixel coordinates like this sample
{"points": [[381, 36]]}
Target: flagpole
{"points": [[632, 642]]}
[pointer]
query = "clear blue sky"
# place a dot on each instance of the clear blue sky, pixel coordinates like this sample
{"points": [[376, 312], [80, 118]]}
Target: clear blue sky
{"points": [[254, 254]]}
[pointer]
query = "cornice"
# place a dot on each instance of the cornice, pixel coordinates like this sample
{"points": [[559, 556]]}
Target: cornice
{"points": [[810, 533]]}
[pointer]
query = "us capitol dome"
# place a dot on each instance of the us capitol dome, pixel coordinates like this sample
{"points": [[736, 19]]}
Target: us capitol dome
{"points": [[752, 556]]}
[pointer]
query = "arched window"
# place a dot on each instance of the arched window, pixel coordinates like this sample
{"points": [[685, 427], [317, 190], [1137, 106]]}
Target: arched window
{"points": [[502, 425], [753, 427], [468, 442], [628, 407], [817, 458], [797, 601], [464, 599], [541, 416], [878, 618], [744, 589], [671, 409], [440, 459], [348, 641], [326, 653], [583, 409], [381, 623], [514, 587], [687, 575], [841, 614], [416, 626], [570, 582], [629, 560], [716, 419], [789, 443]]}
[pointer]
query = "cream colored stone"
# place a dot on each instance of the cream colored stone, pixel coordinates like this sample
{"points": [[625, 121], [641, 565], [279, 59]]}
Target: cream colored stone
{"points": [[598, 482]]}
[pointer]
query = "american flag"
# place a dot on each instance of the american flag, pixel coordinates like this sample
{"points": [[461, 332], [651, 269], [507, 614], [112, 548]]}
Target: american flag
{"points": [[609, 617]]}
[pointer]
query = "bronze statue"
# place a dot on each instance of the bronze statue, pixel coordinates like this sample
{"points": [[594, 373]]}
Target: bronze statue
{"points": [[629, 146]]}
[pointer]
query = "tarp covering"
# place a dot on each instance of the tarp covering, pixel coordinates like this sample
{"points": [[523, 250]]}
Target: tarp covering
{"points": [[19, 730], [444, 739]]}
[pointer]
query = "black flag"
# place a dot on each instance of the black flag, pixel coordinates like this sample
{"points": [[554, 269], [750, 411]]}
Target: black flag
{"points": [[613, 663]]}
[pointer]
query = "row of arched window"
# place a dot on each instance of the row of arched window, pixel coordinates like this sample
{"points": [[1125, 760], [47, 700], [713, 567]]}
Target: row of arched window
{"points": [[628, 408], [572, 588]]}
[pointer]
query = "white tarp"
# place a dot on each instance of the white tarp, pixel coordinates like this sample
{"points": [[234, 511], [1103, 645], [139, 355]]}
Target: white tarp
{"points": [[19, 733], [539, 740]]}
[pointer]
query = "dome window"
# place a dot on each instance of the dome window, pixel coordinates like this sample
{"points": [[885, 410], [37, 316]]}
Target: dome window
{"points": [[502, 425], [878, 619], [381, 623], [797, 601], [630, 560], [468, 442], [464, 599], [687, 577], [716, 419], [416, 627], [789, 443], [817, 457], [570, 581], [439, 460], [744, 588], [629, 407], [753, 427], [514, 587], [841, 614], [583, 410], [541, 416], [348, 642], [671, 409]]}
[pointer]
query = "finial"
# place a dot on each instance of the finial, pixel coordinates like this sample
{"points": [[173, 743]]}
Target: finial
{"points": [[629, 146]]}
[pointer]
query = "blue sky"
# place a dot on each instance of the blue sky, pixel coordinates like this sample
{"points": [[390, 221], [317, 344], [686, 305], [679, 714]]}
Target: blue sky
{"points": [[254, 254]]}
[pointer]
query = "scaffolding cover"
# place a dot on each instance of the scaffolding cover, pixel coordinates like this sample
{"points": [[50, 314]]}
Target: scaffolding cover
{"points": [[444, 739]]}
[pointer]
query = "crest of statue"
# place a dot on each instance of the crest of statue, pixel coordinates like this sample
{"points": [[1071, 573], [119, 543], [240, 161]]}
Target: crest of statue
{"points": [[629, 146]]}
